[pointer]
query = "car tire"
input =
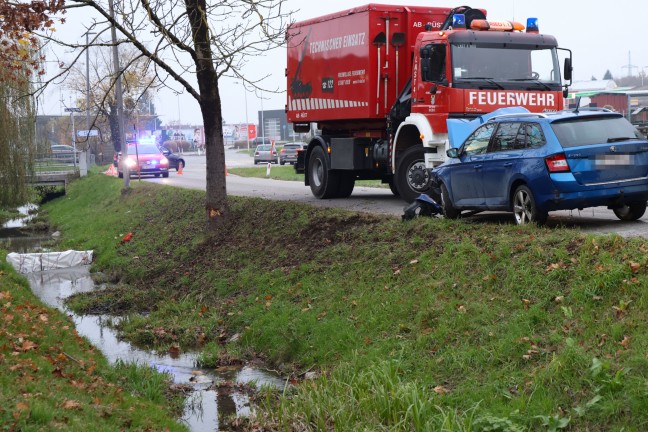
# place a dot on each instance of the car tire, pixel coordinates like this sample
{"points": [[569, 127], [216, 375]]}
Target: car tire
{"points": [[323, 183], [181, 161], [525, 209], [631, 211], [157, 174], [165, 175], [412, 178], [282, 163], [449, 210], [120, 175]]}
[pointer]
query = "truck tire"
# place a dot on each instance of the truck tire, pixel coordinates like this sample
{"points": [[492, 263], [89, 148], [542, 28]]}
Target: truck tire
{"points": [[346, 181], [412, 178], [323, 183]]}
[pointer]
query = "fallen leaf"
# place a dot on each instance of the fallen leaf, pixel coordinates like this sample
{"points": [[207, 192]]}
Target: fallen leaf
{"points": [[71, 404], [625, 343], [526, 303], [414, 261], [441, 390], [635, 266], [559, 299]]}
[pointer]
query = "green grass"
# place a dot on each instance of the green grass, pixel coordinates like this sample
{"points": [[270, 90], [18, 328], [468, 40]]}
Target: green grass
{"points": [[423, 325], [287, 173], [53, 379]]}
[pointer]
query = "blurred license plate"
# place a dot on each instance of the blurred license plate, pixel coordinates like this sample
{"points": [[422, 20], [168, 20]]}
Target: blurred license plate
{"points": [[614, 160]]}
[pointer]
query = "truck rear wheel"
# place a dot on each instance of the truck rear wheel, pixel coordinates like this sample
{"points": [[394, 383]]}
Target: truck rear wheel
{"points": [[412, 178], [323, 183], [346, 181]]}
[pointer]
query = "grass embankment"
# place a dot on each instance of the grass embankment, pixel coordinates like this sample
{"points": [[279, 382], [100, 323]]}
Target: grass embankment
{"points": [[52, 379], [424, 325]]}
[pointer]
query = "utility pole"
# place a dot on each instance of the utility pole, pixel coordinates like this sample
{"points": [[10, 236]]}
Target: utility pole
{"points": [[88, 33], [119, 98]]}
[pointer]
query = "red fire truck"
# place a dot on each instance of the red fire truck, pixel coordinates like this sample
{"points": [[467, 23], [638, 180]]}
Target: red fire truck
{"points": [[379, 83]]}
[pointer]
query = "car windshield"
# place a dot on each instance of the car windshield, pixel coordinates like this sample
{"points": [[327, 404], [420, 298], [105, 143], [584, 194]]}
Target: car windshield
{"points": [[594, 130], [143, 149]]}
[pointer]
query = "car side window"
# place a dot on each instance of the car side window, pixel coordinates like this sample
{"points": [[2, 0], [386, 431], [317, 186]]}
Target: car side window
{"points": [[529, 136], [477, 142], [505, 137]]}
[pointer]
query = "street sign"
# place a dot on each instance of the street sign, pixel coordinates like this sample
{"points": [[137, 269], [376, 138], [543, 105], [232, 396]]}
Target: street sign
{"points": [[88, 133], [72, 109]]}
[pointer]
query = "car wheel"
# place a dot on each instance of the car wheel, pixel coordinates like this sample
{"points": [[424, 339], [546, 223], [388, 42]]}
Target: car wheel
{"points": [[157, 174], [165, 175], [181, 161], [323, 183], [449, 209], [525, 208], [412, 177], [282, 162], [120, 175], [631, 211]]}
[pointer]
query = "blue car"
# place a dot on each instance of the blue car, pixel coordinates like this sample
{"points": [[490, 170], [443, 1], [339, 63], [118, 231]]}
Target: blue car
{"points": [[531, 164]]}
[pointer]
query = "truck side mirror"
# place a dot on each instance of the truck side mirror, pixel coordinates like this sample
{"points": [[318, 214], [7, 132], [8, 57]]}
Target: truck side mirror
{"points": [[425, 63], [568, 69]]}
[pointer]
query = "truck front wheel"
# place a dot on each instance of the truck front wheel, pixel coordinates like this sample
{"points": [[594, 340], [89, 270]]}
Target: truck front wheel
{"points": [[412, 178], [322, 183]]}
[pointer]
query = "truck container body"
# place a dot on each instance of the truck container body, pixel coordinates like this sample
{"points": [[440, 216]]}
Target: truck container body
{"points": [[380, 83], [352, 65]]}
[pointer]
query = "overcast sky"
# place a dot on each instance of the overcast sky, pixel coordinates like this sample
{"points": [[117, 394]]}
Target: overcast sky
{"points": [[601, 34]]}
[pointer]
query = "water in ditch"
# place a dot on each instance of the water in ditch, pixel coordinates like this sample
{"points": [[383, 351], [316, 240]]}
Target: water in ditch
{"points": [[204, 407]]}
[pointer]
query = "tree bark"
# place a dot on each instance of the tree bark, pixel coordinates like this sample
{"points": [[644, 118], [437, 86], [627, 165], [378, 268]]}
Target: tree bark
{"points": [[216, 204]]}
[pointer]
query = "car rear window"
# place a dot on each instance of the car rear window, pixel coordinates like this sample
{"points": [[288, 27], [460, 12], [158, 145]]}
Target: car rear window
{"points": [[594, 130], [263, 147], [292, 146]]}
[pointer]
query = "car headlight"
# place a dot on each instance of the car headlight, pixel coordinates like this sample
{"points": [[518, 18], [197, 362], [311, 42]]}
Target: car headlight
{"points": [[164, 161], [130, 163]]}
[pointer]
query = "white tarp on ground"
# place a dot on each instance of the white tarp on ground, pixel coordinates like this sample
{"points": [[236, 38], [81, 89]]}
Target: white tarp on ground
{"points": [[34, 262]]}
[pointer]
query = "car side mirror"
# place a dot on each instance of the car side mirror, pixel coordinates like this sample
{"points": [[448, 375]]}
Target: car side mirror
{"points": [[166, 152], [452, 152]]}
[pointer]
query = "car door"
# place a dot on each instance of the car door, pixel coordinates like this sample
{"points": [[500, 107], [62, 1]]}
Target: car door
{"points": [[466, 176], [504, 151]]}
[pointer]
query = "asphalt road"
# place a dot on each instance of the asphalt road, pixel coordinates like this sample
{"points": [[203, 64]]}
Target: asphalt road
{"points": [[597, 220]]}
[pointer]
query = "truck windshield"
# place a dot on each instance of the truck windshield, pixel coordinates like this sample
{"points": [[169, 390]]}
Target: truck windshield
{"points": [[498, 65]]}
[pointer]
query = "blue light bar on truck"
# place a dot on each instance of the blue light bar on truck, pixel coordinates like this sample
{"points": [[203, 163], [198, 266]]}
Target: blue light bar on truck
{"points": [[532, 25]]}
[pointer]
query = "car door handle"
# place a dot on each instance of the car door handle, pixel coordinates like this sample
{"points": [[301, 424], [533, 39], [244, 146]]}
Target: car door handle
{"points": [[477, 167], [508, 164]]}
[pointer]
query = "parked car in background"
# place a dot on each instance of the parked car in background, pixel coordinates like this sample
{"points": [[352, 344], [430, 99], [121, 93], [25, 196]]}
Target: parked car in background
{"points": [[64, 153], [143, 159], [288, 153], [531, 164], [174, 159], [265, 153]]}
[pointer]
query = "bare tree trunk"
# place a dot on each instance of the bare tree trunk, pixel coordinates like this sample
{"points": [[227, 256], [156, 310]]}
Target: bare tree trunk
{"points": [[216, 200]]}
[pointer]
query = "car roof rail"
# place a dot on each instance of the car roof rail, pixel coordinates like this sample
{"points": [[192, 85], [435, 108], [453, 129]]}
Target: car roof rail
{"points": [[601, 109], [501, 116]]}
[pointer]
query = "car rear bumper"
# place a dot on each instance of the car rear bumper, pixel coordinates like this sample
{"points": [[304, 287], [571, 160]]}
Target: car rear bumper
{"points": [[568, 194]]}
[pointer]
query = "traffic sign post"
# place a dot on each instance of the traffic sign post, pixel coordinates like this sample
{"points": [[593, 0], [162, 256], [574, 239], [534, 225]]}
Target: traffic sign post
{"points": [[72, 110]]}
